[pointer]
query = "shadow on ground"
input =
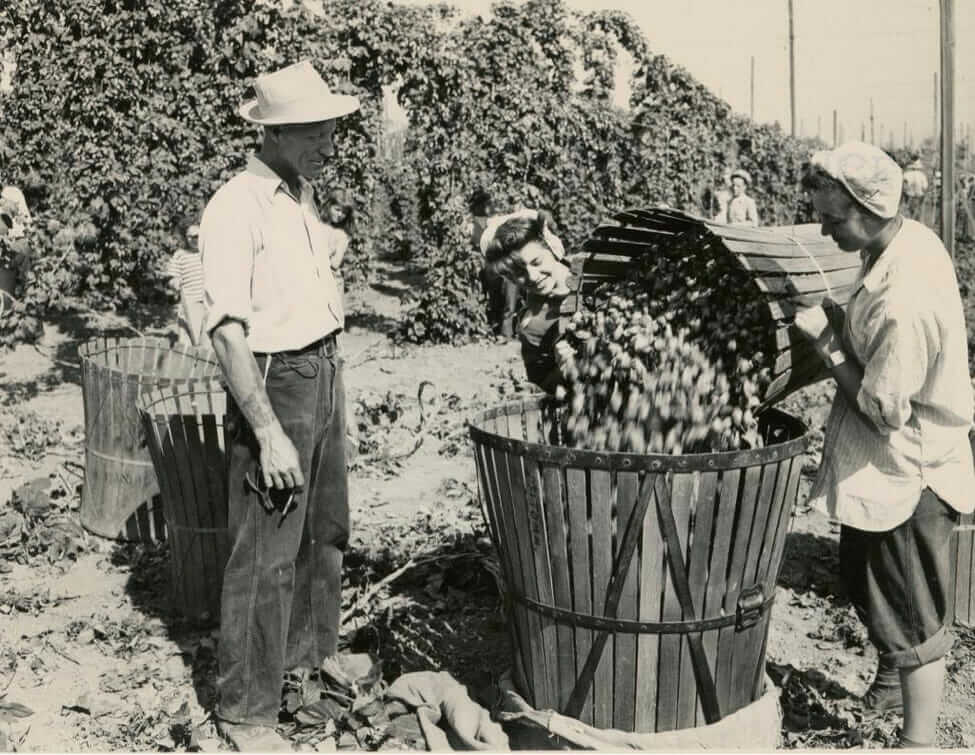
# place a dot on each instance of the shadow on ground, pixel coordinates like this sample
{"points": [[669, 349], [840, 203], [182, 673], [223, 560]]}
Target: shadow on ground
{"points": [[149, 587], [811, 563]]}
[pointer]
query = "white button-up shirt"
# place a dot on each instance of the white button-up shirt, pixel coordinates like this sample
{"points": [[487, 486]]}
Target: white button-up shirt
{"points": [[906, 327], [266, 262]]}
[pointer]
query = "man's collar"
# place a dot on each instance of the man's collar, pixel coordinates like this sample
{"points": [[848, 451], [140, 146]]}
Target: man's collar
{"points": [[896, 249], [270, 181]]}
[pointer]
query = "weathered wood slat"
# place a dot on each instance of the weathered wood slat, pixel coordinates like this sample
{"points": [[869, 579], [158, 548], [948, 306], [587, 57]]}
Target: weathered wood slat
{"points": [[807, 283], [513, 503], [700, 549], [577, 486], [601, 521], [718, 575], [760, 263], [670, 644], [534, 518], [652, 575], [684, 500], [556, 497], [748, 641], [624, 691], [745, 513]]}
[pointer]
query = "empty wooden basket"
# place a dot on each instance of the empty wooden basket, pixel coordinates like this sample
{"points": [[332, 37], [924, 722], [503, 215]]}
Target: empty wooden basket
{"points": [[184, 425], [120, 484]]}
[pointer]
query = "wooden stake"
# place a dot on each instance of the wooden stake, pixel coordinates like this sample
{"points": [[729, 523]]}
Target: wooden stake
{"points": [[751, 105], [948, 125], [792, 66]]}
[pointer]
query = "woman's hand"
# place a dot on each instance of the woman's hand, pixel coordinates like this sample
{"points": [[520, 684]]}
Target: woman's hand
{"points": [[812, 322], [815, 324]]}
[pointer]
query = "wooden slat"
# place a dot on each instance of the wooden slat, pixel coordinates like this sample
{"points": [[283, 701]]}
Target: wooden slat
{"points": [[785, 236], [507, 553], [785, 308], [652, 575], [684, 501], [760, 263], [517, 504], [624, 694], [203, 516], [717, 580], [601, 512], [807, 283], [670, 644], [726, 639], [555, 498], [519, 565], [748, 642], [535, 519], [189, 547], [700, 550], [577, 487], [610, 265]]}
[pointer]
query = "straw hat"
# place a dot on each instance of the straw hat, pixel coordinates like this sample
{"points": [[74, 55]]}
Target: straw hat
{"points": [[743, 175], [296, 94]]}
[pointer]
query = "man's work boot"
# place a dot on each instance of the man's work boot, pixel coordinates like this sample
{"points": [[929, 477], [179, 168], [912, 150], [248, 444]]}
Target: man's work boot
{"points": [[253, 737], [884, 695]]}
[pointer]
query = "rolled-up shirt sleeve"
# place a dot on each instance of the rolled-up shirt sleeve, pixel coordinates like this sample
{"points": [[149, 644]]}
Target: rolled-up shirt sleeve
{"points": [[900, 351], [228, 245]]}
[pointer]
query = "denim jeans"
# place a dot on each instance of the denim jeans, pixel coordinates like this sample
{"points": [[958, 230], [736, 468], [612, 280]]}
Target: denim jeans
{"points": [[282, 588]]}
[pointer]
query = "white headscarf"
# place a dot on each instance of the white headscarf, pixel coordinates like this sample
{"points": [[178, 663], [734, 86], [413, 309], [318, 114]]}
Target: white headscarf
{"points": [[551, 240]]}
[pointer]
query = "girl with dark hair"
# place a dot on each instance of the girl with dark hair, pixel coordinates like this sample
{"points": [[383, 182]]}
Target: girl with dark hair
{"points": [[340, 220], [522, 248]]}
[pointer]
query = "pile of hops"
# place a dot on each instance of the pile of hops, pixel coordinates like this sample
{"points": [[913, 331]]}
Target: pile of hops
{"points": [[674, 359]]}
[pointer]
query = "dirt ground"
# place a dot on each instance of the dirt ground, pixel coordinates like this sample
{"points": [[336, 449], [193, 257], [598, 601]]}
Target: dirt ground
{"points": [[92, 657]]}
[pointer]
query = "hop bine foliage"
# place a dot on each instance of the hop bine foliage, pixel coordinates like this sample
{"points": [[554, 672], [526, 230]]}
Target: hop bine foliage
{"points": [[674, 359]]}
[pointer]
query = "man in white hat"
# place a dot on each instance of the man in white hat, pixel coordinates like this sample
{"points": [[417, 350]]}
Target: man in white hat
{"points": [[273, 315], [897, 463]]}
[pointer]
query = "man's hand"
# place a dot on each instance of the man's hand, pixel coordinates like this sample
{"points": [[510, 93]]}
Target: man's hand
{"points": [[279, 458]]}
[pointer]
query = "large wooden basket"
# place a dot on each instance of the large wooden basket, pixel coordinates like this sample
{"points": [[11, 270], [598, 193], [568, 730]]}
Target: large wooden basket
{"points": [[640, 585], [792, 266], [120, 484], [186, 432]]}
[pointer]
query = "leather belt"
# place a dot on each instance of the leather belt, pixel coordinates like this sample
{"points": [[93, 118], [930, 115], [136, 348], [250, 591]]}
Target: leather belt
{"points": [[327, 345]]}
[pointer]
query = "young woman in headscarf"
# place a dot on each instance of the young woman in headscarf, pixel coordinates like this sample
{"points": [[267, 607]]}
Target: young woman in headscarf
{"points": [[522, 248]]}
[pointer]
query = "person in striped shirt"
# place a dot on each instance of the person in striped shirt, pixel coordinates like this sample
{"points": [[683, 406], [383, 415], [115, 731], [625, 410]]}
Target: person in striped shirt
{"points": [[897, 461], [186, 277]]}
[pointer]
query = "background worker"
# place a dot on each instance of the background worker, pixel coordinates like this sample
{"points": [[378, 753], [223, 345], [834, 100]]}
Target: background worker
{"points": [[742, 209], [185, 271], [915, 187], [897, 463]]}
